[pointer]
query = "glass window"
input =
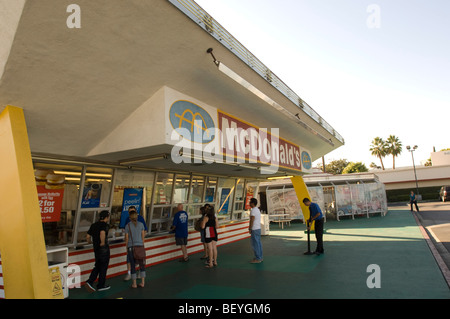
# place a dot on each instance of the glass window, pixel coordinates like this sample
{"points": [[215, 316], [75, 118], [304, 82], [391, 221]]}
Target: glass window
{"points": [[58, 193], [240, 190], [181, 191], [95, 197], [161, 212], [132, 188], [161, 219], [343, 200], [239, 199], [163, 189], [194, 211], [358, 199], [86, 219], [211, 188], [197, 188], [329, 200], [160, 226], [225, 194]]}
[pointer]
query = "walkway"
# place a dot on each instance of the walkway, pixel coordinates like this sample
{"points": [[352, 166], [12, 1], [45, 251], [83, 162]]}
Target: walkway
{"points": [[394, 243]]}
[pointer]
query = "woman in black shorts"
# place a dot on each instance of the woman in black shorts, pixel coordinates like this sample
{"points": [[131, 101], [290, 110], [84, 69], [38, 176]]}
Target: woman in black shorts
{"points": [[209, 224]]}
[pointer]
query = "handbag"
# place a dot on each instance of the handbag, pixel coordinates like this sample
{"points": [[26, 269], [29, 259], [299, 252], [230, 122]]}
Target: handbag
{"points": [[138, 251], [198, 224]]}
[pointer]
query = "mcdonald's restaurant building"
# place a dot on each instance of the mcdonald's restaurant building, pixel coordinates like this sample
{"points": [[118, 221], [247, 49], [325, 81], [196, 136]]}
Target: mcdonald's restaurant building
{"points": [[149, 104]]}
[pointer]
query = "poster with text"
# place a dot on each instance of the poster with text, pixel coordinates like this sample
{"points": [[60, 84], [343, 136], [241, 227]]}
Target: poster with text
{"points": [[249, 195], [91, 196], [131, 197], [283, 201], [50, 203], [50, 189]]}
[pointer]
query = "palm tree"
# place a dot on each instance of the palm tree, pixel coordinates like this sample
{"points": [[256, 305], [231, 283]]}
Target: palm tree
{"points": [[394, 148], [379, 149]]}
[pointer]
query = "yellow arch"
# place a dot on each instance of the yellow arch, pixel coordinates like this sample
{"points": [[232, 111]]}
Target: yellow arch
{"points": [[22, 245], [193, 122], [302, 191]]}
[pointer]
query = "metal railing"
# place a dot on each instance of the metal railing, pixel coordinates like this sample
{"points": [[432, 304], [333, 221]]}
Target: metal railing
{"points": [[210, 25]]}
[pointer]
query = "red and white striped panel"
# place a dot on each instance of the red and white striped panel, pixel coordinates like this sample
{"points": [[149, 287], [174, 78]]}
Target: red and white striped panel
{"points": [[159, 249], [2, 288]]}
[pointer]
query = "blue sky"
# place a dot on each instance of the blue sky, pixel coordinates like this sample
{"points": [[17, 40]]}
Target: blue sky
{"points": [[365, 82]]}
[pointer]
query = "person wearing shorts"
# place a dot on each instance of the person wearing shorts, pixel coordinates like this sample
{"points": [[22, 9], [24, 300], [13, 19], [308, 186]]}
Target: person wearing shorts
{"points": [[180, 226], [209, 224]]}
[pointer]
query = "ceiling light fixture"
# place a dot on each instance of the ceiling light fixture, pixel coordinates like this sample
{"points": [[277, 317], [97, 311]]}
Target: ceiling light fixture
{"points": [[143, 159]]}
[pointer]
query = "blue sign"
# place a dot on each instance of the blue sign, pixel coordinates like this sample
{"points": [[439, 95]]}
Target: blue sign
{"points": [[192, 122], [209, 195], [91, 196], [131, 197], [224, 201], [306, 160]]}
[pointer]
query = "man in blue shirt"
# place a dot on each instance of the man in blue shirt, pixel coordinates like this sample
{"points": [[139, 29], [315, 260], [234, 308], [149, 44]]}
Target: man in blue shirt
{"points": [[180, 225], [316, 215], [413, 200]]}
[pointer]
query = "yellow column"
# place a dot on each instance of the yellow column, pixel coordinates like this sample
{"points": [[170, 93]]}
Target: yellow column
{"points": [[302, 191], [22, 245]]}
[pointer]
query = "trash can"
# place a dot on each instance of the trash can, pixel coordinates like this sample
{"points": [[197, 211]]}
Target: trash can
{"points": [[58, 260]]}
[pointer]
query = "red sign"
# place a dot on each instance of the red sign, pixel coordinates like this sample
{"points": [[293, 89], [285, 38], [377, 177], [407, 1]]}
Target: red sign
{"points": [[244, 141], [248, 196], [50, 203]]}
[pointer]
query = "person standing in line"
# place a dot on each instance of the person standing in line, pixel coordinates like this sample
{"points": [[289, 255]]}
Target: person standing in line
{"points": [[316, 215], [180, 226], [209, 224], [255, 231], [139, 219], [202, 233], [97, 233], [134, 237], [413, 200]]}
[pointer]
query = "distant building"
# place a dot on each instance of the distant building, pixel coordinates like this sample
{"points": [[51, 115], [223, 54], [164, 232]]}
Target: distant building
{"points": [[440, 158], [400, 181]]}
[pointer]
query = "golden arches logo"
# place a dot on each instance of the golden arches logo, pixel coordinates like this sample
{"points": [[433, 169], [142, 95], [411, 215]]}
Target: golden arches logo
{"points": [[306, 160], [191, 117], [193, 122]]}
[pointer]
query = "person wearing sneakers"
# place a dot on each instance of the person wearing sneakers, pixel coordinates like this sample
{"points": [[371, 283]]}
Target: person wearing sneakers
{"points": [[97, 233], [255, 231]]}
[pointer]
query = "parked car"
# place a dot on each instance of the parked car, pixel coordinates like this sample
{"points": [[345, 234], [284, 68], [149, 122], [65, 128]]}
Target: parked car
{"points": [[444, 193]]}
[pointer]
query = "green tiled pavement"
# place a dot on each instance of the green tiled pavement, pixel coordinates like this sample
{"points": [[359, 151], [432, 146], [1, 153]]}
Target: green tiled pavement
{"points": [[394, 242]]}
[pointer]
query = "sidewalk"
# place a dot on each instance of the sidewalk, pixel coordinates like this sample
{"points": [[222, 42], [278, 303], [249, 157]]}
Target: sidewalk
{"points": [[394, 243]]}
